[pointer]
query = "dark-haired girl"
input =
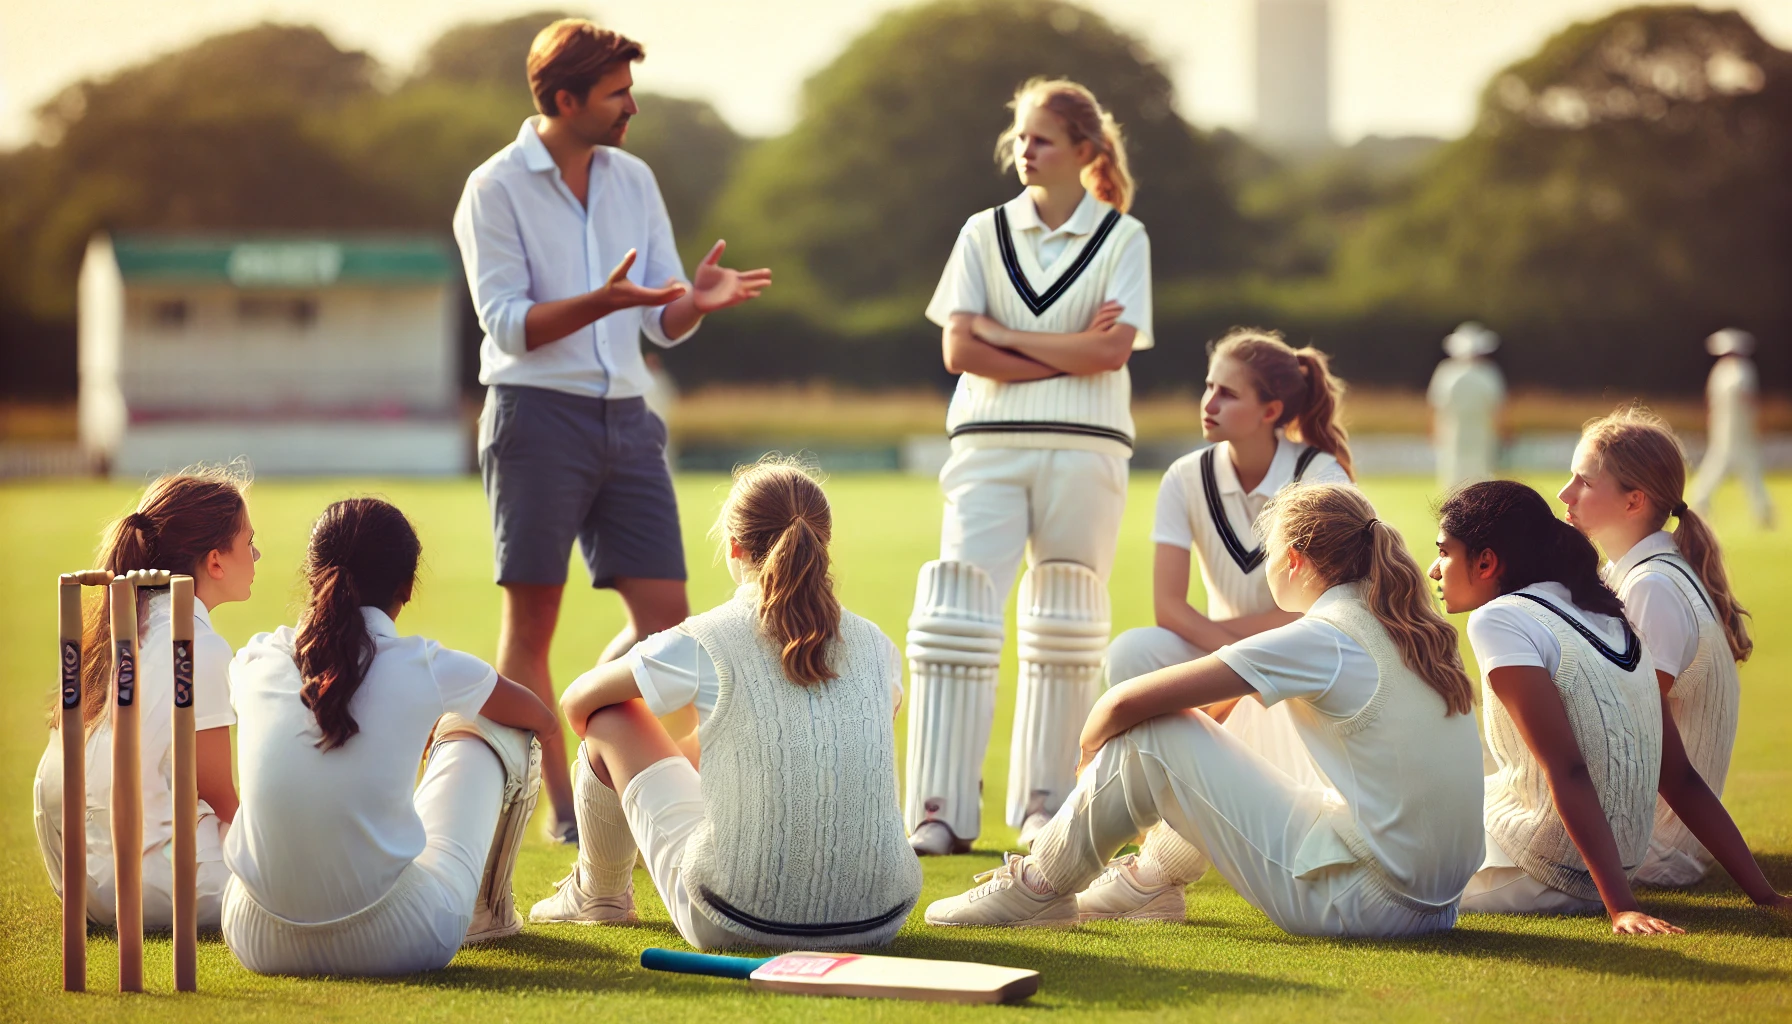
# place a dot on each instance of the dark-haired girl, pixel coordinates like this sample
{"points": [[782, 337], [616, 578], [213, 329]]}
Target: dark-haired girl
{"points": [[794, 836], [1574, 719], [344, 863], [195, 523]]}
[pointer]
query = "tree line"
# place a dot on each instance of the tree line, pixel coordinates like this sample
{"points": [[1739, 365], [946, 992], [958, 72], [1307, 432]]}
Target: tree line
{"points": [[1624, 191]]}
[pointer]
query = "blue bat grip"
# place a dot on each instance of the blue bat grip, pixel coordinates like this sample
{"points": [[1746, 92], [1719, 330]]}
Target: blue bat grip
{"points": [[738, 967]]}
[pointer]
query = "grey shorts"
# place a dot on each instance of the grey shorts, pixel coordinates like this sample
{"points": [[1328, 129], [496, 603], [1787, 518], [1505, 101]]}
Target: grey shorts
{"points": [[559, 466]]}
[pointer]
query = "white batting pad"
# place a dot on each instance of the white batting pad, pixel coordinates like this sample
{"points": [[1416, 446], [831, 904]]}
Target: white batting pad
{"points": [[520, 755], [1064, 625], [954, 650]]}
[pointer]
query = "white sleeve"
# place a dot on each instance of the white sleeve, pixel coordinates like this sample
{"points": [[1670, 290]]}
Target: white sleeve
{"points": [[497, 268], [1173, 525], [667, 670], [465, 682], [961, 288], [1300, 659], [211, 682], [1503, 637], [1659, 612], [661, 262], [1130, 285]]}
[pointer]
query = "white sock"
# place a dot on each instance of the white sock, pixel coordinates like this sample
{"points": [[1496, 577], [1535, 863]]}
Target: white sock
{"points": [[606, 846]]}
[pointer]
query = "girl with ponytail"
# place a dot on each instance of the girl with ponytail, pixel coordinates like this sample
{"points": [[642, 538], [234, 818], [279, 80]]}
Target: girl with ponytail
{"points": [[1271, 413], [1575, 723], [343, 862], [1381, 704], [1040, 307], [1628, 479], [794, 836], [194, 523]]}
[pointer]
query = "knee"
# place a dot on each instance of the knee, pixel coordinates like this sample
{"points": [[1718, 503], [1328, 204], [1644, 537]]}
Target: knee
{"points": [[1129, 654]]}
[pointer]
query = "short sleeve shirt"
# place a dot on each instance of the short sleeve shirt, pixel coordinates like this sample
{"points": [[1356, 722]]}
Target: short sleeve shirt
{"points": [[1309, 660], [1655, 605], [1503, 634], [673, 671], [962, 289], [1182, 509]]}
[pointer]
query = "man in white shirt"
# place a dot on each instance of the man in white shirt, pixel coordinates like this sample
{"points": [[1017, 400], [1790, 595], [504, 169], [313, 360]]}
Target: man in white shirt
{"points": [[1733, 443], [1466, 393], [563, 234]]}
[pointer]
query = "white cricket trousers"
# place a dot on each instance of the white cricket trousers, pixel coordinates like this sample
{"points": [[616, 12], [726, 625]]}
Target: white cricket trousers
{"points": [[664, 806], [1237, 808], [1067, 504], [158, 863], [1502, 887], [420, 922]]}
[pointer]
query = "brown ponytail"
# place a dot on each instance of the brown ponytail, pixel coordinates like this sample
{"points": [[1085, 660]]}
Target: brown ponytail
{"points": [[780, 518], [1641, 453], [1335, 527], [1107, 174], [363, 553], [181, 519], [1301, 379]]}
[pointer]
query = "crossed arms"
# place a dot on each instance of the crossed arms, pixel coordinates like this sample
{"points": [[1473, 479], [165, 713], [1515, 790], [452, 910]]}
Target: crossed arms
{"points": [[974, 343]]}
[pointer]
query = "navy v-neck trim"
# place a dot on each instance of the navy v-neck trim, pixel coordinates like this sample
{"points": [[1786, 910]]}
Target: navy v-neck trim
{"points": [[1633, 648], [1247, 560], [1035, 301]]}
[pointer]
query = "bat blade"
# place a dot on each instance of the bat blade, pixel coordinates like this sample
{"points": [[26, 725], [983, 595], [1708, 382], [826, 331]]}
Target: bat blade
{"points": [[895, 977]]}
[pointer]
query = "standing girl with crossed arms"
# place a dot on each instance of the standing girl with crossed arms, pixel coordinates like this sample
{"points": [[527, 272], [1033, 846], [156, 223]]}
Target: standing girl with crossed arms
{"points": [[1579, 733], [1042, 303], [791, 837], [195, 523], [1258, 392]]}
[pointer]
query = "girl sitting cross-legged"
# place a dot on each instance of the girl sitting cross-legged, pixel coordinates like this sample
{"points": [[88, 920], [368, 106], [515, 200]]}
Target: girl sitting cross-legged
{"points": [[792, 836], [1381, 704]]}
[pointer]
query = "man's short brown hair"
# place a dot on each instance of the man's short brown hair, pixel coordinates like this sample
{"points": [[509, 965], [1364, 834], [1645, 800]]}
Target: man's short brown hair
{"points": [[572, 54]]}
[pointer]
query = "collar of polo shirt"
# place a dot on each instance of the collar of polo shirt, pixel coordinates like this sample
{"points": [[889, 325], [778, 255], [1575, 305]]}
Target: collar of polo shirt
{"points": [[1024, 216], [1281, 470]]}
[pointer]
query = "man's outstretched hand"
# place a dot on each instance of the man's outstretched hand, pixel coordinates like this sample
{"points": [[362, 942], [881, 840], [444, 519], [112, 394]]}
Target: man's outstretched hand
{"points": [[620, 293], [716, 287]]}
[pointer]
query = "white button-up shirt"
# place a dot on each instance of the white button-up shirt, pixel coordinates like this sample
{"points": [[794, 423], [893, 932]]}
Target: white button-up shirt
{"points": [[525, 238]]}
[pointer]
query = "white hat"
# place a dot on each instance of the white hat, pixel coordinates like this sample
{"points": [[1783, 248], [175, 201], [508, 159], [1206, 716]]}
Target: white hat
{"points": [[1730, 342], [1469, 340]]}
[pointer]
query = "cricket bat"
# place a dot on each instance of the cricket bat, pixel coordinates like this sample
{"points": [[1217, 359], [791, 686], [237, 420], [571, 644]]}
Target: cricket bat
{"points": [[851, 974]]}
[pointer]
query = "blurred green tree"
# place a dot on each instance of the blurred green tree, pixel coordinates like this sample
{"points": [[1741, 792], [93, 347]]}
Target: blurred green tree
{"points": [[893, 150], [1627, 188]]}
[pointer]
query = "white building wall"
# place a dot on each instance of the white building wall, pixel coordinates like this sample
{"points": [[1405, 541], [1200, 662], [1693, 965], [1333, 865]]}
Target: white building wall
{"points": [[1294, 74], [99, 327]]}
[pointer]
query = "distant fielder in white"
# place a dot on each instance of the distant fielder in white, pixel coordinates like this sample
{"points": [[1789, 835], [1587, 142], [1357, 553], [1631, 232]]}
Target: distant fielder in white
{"points": [[1733, 444], [1466, 393], [1042, 303]]}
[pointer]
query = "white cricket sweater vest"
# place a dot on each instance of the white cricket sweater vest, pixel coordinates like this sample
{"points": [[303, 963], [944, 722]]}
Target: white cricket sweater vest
{"points": [[1232, 570], [1404, 741], [1614, 708], [1705, 700], [1091, 412], [802, 841]]}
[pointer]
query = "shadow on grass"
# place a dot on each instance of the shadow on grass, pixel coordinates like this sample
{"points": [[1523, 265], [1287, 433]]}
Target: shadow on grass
{"points": [[1653, 957], [1078, 979]]}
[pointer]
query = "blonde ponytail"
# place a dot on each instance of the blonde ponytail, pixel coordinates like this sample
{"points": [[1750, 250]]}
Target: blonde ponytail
{"points": [[1301, 379], [780, 518], [1108, 175], [1336, 529], [1642, 453]]}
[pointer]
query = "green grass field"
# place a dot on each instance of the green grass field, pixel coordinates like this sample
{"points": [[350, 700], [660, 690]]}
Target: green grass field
{"points": [[1226, 963]]}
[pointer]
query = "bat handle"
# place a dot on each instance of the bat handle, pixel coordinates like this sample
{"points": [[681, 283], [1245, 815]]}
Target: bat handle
{"points": [[737, 967]]}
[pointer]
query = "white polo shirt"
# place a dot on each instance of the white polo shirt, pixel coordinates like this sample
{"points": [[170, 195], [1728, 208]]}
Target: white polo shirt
{"points": [[1504, 634], [963, 290], [673, 671], [1183, 520], [1655, 606], [1309, 660], [525, 238]]}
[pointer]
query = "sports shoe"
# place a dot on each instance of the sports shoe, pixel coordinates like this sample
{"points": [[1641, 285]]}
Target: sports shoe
{"points": [[1007, 897], [571, 904], [935, 839], [1121, 894], [1031, 828], [490, 922]]}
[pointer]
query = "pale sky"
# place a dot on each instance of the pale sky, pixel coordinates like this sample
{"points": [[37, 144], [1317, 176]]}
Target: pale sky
{"points": [[1399, 66]]}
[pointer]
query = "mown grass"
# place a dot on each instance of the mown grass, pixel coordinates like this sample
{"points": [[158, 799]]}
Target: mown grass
{"points": [[1226, 963]]}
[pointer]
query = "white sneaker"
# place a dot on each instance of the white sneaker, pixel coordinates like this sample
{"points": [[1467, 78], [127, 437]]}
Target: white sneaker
{"points": [[1030, 828], [491, 923], [1120, 894], [1007, 898], [570, 904], [935, 839]]}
